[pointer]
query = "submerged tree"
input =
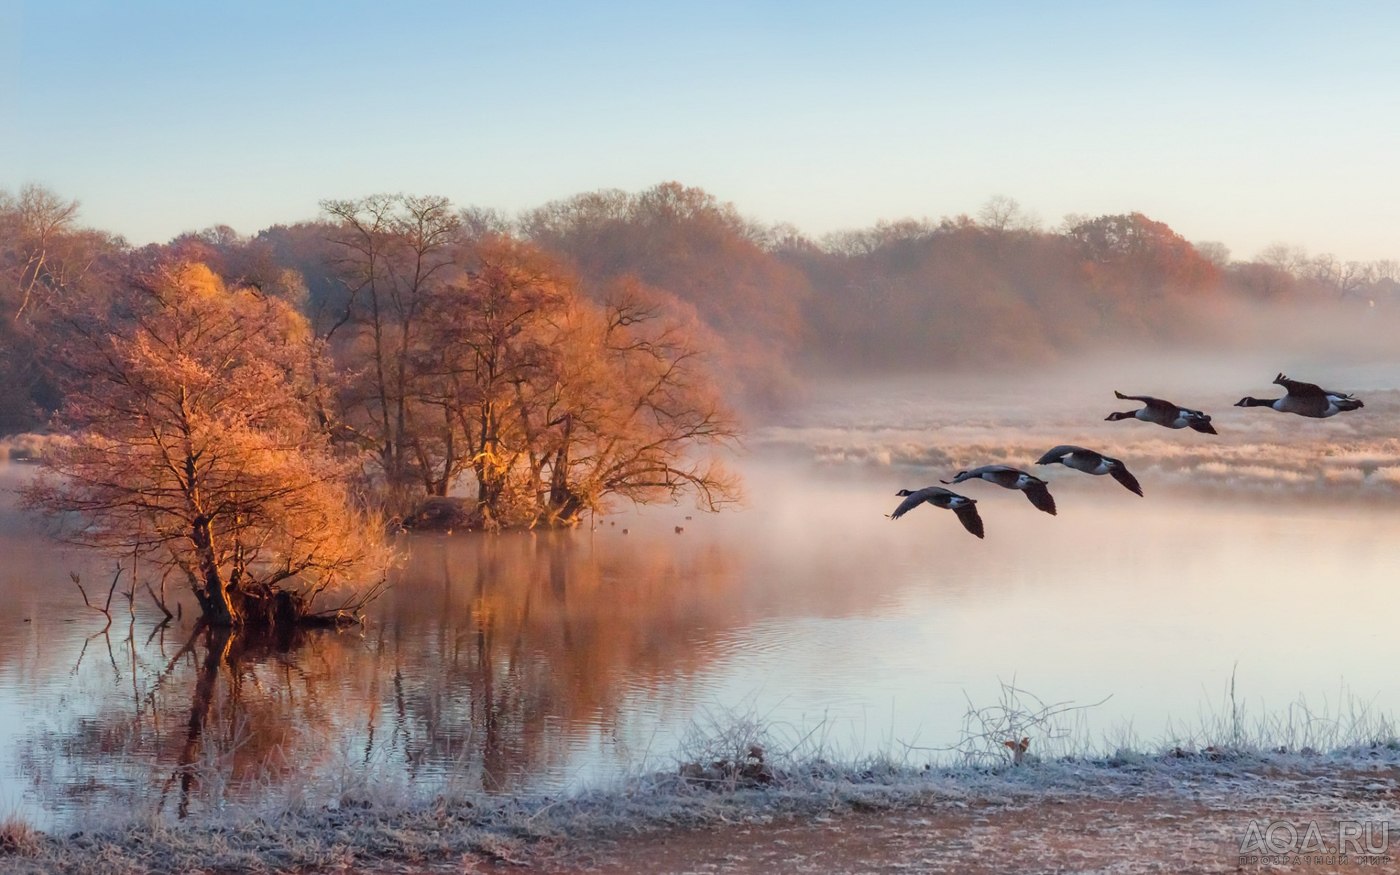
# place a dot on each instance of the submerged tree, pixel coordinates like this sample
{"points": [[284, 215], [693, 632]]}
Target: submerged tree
{"points": [[195, 444], [393, 249], [631, 405], [479, 363], [554, 403]]}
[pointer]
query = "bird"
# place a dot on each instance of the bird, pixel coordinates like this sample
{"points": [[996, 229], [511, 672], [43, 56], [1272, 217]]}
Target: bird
{"points": [[680, 529], [1164, 413], [964, 507], [1011, 478], [1305, 399], [1091, 462]]}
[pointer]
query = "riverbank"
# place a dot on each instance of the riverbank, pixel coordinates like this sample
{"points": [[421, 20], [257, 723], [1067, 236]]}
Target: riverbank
{"points": [[1179, 812]]}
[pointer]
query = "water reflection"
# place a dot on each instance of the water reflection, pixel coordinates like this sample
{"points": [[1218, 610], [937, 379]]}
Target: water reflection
{"points": [[487, 665], [538, 662], [505, 648]]}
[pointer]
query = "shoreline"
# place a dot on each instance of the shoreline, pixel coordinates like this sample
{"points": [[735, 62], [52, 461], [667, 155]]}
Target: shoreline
{"points": [[1197, 804]]}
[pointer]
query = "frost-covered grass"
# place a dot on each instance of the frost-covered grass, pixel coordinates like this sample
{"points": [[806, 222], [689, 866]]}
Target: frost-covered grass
{"points": [[735, 768], [1349, 724], [443, 830]]}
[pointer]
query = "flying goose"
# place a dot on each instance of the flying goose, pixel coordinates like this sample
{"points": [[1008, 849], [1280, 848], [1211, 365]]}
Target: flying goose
{"points": [[1164, 413], [1011, 478], [1305, 399], [1091, 462], [965, 508]]}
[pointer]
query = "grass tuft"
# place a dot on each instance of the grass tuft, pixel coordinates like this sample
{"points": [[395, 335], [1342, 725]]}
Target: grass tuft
{"points": [[18, 837]]}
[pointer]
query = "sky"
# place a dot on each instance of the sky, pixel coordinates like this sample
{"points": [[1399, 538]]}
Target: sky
{"points": [[1246, 123]]}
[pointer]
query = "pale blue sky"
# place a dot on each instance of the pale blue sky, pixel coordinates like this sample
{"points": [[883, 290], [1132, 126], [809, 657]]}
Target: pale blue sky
{"points": [[1247, 123]]}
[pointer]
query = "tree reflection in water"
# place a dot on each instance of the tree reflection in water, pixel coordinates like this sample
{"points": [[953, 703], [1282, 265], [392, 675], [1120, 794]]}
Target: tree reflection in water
{"points": [[490, 666]]}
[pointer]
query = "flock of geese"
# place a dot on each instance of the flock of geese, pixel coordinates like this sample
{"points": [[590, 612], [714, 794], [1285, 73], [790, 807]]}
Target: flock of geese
{"points": [[1303, 399]]}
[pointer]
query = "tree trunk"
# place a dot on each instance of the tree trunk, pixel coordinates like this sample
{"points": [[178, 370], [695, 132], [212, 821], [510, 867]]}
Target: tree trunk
{"points": [[215, 597]]}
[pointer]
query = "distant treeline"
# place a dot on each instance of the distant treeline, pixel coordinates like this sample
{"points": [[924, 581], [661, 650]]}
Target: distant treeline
{"points": [[764, 302]]}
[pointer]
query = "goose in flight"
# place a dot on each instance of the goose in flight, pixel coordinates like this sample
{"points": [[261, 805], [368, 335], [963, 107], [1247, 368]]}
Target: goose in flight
{"points": [[1163, 413], [1008, 477], [965, 508], [1305, 399], [1091, 462]]}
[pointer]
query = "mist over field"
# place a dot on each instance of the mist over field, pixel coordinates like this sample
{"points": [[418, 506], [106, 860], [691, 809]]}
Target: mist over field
{"points": [[344, 405], [486, 437], [942, 422]]}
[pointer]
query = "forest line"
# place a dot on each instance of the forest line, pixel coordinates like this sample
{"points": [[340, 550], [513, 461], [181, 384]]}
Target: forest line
{"points": [[252, 414]]}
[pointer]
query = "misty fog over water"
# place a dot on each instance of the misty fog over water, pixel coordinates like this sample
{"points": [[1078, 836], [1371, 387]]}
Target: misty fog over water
{"points": [[552, 661]]}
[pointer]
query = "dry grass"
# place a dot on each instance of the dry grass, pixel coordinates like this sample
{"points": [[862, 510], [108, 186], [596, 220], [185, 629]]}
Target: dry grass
{"points": [[18, 837]]}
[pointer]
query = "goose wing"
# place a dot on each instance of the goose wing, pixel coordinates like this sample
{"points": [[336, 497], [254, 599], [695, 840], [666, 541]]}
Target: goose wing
{"points": [[1154, 404], [1308, 390], [971, 520], [1039, 495], [912, 501], [1122, 475], [993, 469], [1058, 454], [1002, 475], [1300, 389]]}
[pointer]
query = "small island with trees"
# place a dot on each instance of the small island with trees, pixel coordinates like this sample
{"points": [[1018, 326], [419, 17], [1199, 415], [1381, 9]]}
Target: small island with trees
{"points": [[253, 417]]}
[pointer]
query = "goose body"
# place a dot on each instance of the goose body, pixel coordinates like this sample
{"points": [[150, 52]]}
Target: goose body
{"points": [[1164, 413], [1008, 477], [1091, 462], [965, 508], [1305, 399]]}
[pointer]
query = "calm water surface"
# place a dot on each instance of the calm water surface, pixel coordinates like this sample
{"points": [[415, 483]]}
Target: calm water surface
{"points": [[545, 662]]}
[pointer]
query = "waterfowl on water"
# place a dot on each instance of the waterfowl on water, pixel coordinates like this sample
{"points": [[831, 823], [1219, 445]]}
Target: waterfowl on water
{"points": [[964, 507], [1305, 399], [1091, 462], [1163, 413], [1008, 477]]}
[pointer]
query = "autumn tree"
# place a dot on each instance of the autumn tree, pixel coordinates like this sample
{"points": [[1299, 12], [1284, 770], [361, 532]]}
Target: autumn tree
{"points": [[392, 250], [684, 241], [193, 443], [243, 261], [493, 333], [45, 256], [33, 226], [1132, 251], [554, 404], [635, 414]]}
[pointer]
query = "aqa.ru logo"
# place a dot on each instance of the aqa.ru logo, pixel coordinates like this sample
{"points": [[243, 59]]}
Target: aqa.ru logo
{"points": [[1282, 841]]}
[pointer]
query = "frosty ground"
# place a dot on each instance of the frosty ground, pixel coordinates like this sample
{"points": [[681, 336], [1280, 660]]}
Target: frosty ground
{"points": [[1182, 811]]}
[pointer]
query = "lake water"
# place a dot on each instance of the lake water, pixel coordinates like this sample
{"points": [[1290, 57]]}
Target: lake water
{"points": [[554, 661]]}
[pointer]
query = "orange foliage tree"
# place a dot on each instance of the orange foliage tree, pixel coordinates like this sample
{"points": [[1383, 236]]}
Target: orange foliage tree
{"points": [[556, 403], [195, 444], [684, 241]]}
